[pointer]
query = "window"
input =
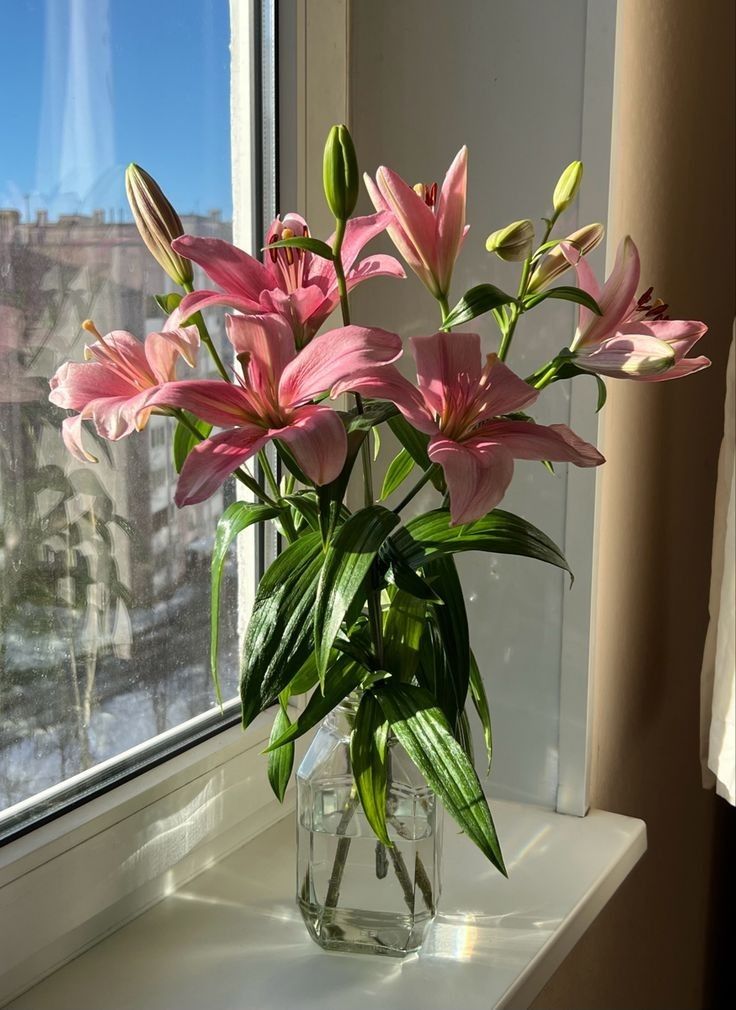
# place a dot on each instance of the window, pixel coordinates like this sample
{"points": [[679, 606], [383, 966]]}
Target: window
{"points": [[104, 609]]}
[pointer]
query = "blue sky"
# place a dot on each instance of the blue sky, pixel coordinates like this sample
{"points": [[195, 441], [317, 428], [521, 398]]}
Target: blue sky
{"points": [[90, 85]]}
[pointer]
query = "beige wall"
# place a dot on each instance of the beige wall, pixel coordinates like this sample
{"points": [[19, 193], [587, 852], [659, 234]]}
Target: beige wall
{"points": [[673, 180]]}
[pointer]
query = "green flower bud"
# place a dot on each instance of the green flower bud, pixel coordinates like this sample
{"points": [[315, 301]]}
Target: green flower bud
{"points": [[514, 242], [340, 173], [567, 186], [158, 223], [555, 262]]}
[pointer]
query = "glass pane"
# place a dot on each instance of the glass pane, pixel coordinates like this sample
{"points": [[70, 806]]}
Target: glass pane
{"points": [[104, 604]]}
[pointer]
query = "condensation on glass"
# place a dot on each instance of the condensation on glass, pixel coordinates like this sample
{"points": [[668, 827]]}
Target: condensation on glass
{"points": [[104, 598]]}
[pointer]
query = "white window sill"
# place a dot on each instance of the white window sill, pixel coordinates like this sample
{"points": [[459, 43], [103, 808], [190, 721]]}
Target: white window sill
{"points": [[233, 937]]}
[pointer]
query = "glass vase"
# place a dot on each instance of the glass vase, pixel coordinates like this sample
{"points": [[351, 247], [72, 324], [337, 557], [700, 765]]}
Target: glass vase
{"points": [[356, 894]]}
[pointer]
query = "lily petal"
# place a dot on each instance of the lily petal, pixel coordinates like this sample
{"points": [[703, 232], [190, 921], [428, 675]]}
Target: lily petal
{"points": [[211, 462], [269, 343], [626, 357], [197, 301], [686, 366], [318, 440], [333, 356], [451, 217], [477, 479], [448, 364], [214, 400], [75, 384], [616, 298], [504, 391], [387, 383], [413, 229], [71, 434], [358, 233], [234, 270], [115, 417], [526, 440], [680, 334], [162, 350]]}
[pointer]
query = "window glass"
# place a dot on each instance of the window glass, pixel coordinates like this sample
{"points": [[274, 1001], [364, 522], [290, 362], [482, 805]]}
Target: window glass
{"points": [[104, 605]]}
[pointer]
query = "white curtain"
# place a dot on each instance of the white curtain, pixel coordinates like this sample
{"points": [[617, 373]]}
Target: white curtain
{"points": [[718, 690]]}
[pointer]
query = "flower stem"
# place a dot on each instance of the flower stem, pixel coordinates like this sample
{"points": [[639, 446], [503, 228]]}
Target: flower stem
{"points": [[427, 475], [374, 593], [516, 310], [206, 339]]}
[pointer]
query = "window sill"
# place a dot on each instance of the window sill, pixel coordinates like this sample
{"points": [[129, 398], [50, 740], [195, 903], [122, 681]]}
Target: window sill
{"points": [[233, 936]]}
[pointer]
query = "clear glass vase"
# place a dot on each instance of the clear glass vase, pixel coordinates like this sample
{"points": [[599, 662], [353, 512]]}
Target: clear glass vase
{"points": [[355, 893]]}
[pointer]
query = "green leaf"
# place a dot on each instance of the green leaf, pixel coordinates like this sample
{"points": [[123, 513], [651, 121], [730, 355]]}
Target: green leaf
{"points": [[425, 735], [475, 302], [451, 622], [480, 700], [415, 442], [374, 412], [567, 294], [404, 577], [431, 535], [368, 744], [403, 627], [464, 736], [376, 434], [281, 761], [398, 470], [343, 676], [279, 635], [236, 518], [313, 245], [306, 506], [347, 561], [184, 439], [167, 303]]}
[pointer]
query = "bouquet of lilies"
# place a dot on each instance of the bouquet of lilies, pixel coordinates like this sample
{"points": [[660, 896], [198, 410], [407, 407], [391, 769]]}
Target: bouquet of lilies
{"points": [[364, 599]]}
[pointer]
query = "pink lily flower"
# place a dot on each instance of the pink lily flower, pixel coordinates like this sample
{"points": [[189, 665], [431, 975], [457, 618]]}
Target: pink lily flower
{"points": [[273, 400], [294, 283], [460, 403], [428, 226], [111, 387], [634, 338]]}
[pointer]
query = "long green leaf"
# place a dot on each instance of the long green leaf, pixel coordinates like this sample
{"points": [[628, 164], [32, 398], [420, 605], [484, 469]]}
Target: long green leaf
{"points": [[184, 439], [451, 622], [425, 735], [313, 245], [403, 627], [567, 294], [398, 470], [279, 635], [476, 301], [431, 535], [343, 676], [236, 518], [480, 700], [347, 561], [368, 759], [416, 442], [280, 762]]}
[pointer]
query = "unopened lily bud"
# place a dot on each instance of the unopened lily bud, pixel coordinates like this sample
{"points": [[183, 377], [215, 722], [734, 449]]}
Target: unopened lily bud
{"points": [[567, 186], [158, 223], [514, 242], [584, 240], [340, 173]]}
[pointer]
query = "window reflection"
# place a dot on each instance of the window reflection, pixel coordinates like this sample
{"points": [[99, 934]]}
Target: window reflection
{"points": [[104, 601]]}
